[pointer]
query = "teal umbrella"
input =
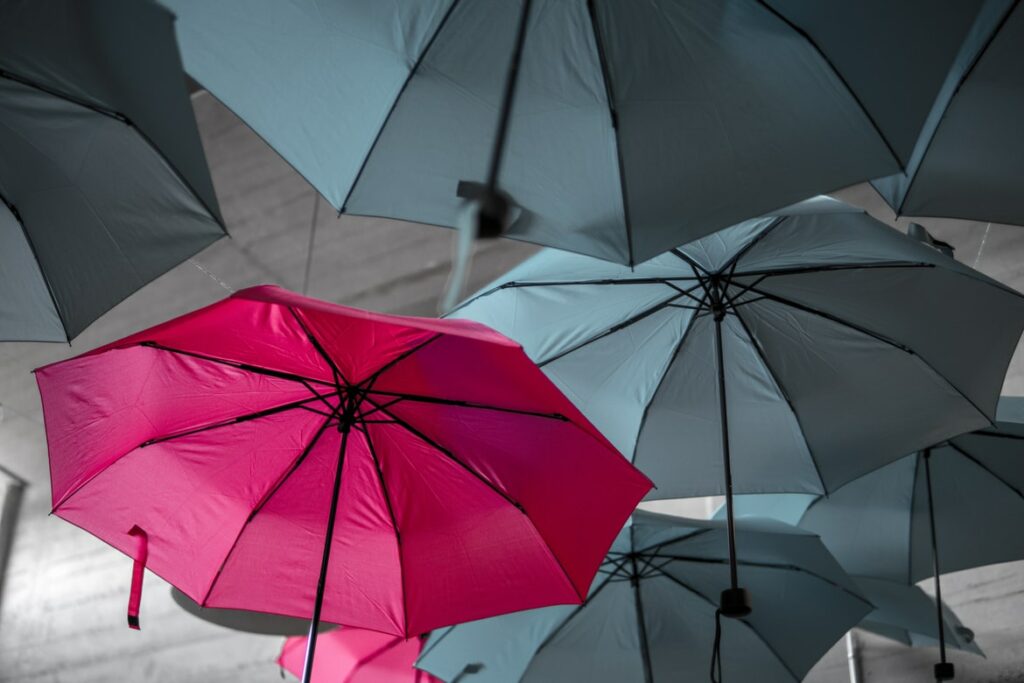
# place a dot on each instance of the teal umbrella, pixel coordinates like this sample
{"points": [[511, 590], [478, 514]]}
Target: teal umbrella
{"points": [[934, 511], [968, 161], [650, 613], [103, 183], [794, 352], [631, 127]]}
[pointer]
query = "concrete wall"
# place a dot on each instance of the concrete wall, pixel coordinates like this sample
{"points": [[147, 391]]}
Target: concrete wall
{"points": [[62, 610]]}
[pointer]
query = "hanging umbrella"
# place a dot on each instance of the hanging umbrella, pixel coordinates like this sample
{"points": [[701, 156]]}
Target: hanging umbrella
{"points": [[968, 161], [924, 514], [103, 184], [281, 454], [352, 655], [650, 613], [618, 130], [778, 355]]}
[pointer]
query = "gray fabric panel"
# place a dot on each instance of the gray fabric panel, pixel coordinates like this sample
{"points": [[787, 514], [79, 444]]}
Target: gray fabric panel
{"points": [[713, 252], [861, 402], [679, 445], [707, 94], [103, 210], [119, 54], [27, 311]]}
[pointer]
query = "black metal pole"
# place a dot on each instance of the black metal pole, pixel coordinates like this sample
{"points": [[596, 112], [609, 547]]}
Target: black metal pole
{"points": [[944, 670], [314, 624], [641, 623], [735, 601]]}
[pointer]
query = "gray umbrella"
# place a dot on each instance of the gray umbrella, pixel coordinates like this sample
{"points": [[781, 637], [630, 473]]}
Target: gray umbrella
{"points": [[103, 183]]}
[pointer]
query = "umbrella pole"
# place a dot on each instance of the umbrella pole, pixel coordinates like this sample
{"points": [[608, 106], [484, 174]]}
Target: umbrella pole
{"points": [[944, 671], [735, 601], [314, 624]]}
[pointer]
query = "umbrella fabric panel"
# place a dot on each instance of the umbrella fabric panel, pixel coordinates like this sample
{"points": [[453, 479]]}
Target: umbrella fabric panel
{"points": [[102, 210], [27, 303], [352, 655]]}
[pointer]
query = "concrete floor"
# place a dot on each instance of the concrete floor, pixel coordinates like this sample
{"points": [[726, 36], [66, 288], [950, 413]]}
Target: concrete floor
{"points": [[63, 602]]}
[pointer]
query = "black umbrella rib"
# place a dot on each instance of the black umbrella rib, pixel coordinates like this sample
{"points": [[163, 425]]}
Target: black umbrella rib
{"points": [[863, 330], [368, 382], [255, 369], [338, 374], [609, 91], [785, 394], [743, 621], [849, 89], [987, 470], [418, 398], [264, 499], [802, 270], [572, 615], [733, 262], [394, 105], [293, 405], [995, 435], [445, 452]]}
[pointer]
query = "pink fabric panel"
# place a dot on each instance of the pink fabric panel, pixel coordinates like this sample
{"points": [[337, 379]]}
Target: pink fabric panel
{"points": [[577, 496], [191, 495], [467, 553], [352, 655], [283, 545], [97, 408]]}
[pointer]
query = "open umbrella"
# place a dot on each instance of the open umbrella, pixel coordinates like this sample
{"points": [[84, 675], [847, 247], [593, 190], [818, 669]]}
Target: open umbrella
{"points": [[619, 129], [352, 655], [651, 612], [942, 509], [103, 183], [778, 355], [281, 454], [968, 161]]}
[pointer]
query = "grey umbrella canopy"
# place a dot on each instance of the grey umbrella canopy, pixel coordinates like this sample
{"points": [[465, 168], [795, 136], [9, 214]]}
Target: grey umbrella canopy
{"points": [[650, 613], [103, 183], [782, 354], [635, 126], [943, 509], [969, 159]]}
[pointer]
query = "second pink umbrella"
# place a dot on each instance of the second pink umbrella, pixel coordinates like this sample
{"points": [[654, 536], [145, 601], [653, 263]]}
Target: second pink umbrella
{"points": [[353, 655]]}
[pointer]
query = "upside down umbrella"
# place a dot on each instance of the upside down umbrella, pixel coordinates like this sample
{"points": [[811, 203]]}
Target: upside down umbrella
{"points": [[619, 129], [281, 454], [647, 617], [942, 509], [778, 355], [103, 183], [352, 655], [968, 161]]}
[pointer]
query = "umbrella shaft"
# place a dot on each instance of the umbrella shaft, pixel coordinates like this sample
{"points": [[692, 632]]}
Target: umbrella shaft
{"points": [[314, 624], [935, 555], [508, 98], [724, 418]]}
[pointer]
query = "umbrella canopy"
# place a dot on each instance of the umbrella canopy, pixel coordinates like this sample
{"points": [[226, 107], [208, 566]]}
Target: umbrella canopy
{"points": [[464, 483], [969, 159], [651, 613], [906, 614], [634, 127], [103, 183], [352, 655]]}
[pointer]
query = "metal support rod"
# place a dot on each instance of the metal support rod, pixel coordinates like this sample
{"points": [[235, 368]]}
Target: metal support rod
{"points": [[314, 624], [641, 622], [935, 555], [852, 657], [726, 459], [511, 80]]}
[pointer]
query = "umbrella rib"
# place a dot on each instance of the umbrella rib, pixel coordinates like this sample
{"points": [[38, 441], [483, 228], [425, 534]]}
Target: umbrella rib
{"points": [[394, 105], [255, 369], [419, 398], [263, 501], [569, 617], [338, 374], [368, 382], [849, 89], [996, 435], [745, 249], [803, 270], [785, 394], [743, 621], [865, 331], [35, 255], [986, 469], [609, 91]]}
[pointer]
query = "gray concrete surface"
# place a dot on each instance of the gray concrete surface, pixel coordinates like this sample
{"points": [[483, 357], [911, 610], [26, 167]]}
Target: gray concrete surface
{"points": [[62, 610]]}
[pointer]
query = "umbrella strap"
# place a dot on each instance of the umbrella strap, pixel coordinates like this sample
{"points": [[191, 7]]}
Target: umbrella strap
{"points": [[716, 650], [138, 571]]}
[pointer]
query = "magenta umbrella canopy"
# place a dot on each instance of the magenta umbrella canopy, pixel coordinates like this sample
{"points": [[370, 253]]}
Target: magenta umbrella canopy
{"points": [[353, 655], [451, 479]]}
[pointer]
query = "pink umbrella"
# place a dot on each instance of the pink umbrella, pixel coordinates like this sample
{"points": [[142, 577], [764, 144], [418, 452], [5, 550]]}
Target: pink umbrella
{"points": [[281, 454], [354, 655]]}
